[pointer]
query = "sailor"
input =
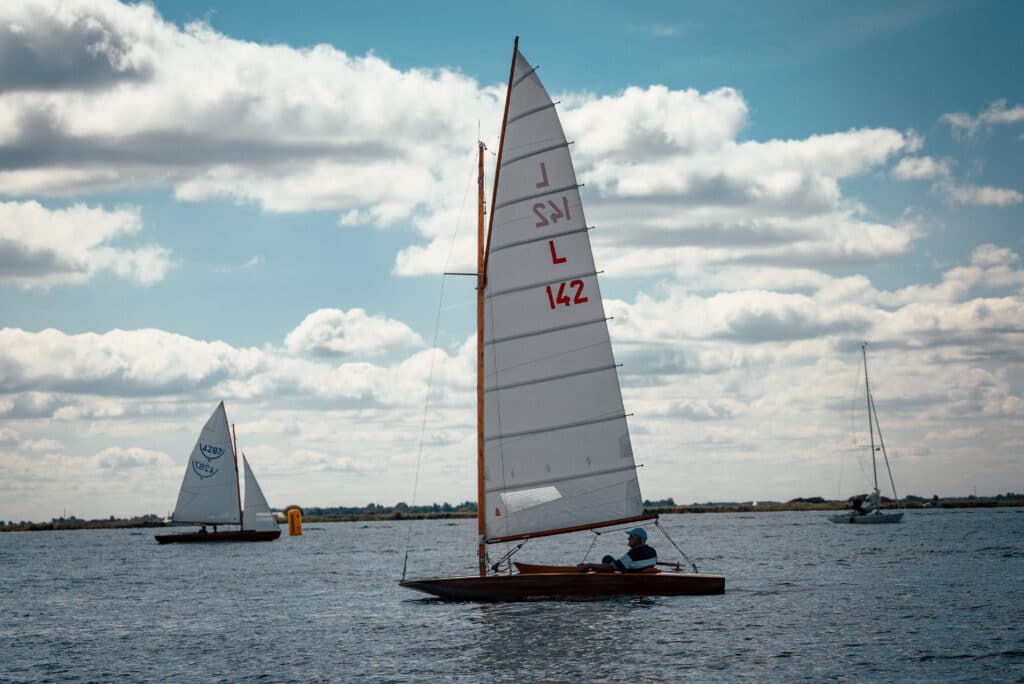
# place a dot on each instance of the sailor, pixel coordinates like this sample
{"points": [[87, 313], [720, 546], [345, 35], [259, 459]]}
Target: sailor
{"points": [[202, 530], [639, 556]]}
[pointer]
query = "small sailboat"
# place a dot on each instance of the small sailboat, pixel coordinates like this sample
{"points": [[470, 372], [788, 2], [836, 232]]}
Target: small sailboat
{"points": [[553, 448], [867, 508], [209, 493]]}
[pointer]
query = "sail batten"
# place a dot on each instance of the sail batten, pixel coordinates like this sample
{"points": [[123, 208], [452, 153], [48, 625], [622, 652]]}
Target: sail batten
{"points": [[545, 331], [554, 428], [552, 378], [543, 238], [521, 157], [538, 195], [523, 77], [556, 480], [542, 283]]}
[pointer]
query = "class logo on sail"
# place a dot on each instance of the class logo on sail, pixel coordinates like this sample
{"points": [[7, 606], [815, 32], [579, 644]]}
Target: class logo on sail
{"points": [[210, 452], [202, 469]]}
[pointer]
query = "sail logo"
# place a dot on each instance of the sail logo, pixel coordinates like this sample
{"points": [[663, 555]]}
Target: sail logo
{"points": [[203, 469], [211, 452]]}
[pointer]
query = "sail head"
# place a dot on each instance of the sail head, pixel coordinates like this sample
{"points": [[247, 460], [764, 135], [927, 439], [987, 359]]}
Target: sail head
{"points": [[557, 451]]}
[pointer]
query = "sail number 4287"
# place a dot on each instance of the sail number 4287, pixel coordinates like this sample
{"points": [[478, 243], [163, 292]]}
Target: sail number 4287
{"points": [[562, 297]]}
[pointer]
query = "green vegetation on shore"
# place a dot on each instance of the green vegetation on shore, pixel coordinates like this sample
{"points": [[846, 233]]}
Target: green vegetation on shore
{"points": [[402, 511]]}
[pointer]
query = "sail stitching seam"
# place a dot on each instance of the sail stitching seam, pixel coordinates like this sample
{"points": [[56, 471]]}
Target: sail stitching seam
{"points": [[566, 478], [531, 112], [555, 428], [500, 205], [551, 378], [524, 76], [521, 157], [543, 282], [549, 236], [509, 338]]}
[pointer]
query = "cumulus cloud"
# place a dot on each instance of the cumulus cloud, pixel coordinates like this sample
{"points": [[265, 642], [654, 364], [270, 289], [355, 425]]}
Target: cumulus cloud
{"points": [[288, 129], [120, 458], [44, 371], [981, 195], [939, 171], [333, 332], [997, 114], [41, 247], [306, 129], [920, 168]]}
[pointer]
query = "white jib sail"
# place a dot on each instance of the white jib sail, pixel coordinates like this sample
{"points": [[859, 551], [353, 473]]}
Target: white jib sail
{"points": [[209, 492], [557, 452], [256, 515]]}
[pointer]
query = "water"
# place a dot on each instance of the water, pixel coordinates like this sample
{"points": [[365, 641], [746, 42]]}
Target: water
{"points": [[938, 597]]}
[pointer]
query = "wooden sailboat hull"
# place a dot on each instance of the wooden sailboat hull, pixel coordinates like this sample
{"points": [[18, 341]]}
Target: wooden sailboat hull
{"points": [[572, 585], [869, 519], [232, 536]]}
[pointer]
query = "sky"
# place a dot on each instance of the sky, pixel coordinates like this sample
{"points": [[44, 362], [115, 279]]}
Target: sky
{"points": [[255, 202]]}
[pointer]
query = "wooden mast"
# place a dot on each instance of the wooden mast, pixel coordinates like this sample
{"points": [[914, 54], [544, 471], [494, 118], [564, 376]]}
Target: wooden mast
{"points": [[480, 493], [481, 269]]}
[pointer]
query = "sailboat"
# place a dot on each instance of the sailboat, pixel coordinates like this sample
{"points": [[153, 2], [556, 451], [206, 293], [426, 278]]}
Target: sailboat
{"points": [[209, 493], [553, 448], [867, 508]]}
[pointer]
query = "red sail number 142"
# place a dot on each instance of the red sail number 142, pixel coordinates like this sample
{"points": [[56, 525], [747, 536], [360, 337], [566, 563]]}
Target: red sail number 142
{"points": [[563, 298]]}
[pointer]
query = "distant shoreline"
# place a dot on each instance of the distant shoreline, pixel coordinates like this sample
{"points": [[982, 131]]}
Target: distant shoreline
{"points": [[391, 515]]}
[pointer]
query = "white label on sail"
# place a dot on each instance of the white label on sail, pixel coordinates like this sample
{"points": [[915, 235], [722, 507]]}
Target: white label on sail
{"points": [[209, 491], [257, 514], [553, 416]]}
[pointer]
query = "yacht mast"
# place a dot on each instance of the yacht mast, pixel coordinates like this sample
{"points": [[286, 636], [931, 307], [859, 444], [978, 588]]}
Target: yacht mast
{"points": [[871, 424]]}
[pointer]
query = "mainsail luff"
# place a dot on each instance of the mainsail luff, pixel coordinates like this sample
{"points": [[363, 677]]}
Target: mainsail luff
{"points": [[553, 409]]}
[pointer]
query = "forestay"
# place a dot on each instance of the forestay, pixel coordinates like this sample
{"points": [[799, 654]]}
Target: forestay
{"points": [[257, 514], [557, 452], [209, 491]]}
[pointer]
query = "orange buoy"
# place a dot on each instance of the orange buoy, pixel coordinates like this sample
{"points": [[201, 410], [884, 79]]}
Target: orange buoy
{"points": [[295, 522]]}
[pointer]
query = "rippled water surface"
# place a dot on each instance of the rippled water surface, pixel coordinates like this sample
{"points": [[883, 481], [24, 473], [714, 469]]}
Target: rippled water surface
{"points": [[938, 597]]}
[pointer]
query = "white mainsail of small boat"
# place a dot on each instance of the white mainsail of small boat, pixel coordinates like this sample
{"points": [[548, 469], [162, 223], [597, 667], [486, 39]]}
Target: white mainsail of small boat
{"points": [[868, 507], [557, 453], [553, 447], [209, 493], [209, 490]]}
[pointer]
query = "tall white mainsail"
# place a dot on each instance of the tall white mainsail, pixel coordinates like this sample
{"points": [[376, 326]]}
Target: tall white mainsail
{"points": [[209, 491], [256, 514], [557, 453]]}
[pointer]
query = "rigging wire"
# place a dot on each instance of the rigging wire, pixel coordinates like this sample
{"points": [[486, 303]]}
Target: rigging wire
{"points": [[657, 524], [433, 357]]}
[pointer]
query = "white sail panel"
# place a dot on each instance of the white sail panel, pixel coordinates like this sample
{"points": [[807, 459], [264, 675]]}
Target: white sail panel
{"points": [[557, 452], [209, 490], [257, 514]]}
